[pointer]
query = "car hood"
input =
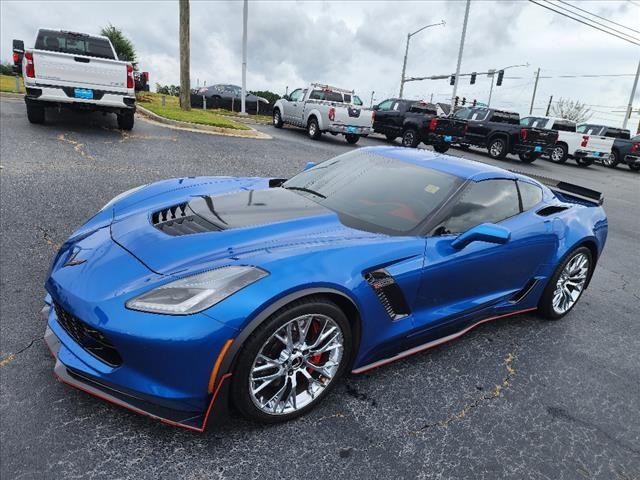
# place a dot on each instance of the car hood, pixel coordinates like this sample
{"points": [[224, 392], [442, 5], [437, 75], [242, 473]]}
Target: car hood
{"points": [[208, 227]]}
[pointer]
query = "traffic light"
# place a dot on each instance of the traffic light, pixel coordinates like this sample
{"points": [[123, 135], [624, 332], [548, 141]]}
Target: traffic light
{"points": [[474, 102], [464, 100], [456, 100], [452, 80], [500, 77], [473, 78]]}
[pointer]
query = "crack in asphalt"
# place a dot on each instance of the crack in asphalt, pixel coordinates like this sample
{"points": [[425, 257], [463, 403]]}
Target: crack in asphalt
{"points": [[495, 393], [12, 356], [46, 235], [77, 146]]}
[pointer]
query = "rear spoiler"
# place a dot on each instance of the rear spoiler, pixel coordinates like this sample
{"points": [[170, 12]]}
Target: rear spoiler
{"points": [[577, 190]]}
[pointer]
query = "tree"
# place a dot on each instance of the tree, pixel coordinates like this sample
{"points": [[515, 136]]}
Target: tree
{"points": [[124, 47], [185, 87], [571, 110]]}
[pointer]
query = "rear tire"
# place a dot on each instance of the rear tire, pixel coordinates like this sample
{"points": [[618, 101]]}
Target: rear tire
{"points": [[390, 137], [351, 138], [410, 138], [559, 154], [613, 159], [313, 129], [497, 148], [35, 113], [584, 162], [125, 121], [246, 375], [551, 304], [277, 118], [528, 157], [441, 147]]}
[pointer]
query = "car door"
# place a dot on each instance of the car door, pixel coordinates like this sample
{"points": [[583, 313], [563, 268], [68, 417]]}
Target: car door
{"points": [[384, 117], [294, 107], [458, 286], [477, 124]]}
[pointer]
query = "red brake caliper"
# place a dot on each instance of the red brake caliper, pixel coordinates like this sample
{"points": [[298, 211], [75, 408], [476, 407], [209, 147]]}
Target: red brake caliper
{"points": [[314, 330]]}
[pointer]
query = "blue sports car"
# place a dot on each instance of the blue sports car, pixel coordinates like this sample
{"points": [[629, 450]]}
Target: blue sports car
{"points": [[183, 297]]}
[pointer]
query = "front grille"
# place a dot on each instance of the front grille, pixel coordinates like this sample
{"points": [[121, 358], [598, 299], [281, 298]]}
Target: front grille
{"points": [[90, 339], [180, 220]]}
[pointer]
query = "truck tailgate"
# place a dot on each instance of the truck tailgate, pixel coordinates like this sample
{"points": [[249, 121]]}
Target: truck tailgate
{"points": [[540, 137], [596, 143], [352, 116], [450, 127], [64, 69]]}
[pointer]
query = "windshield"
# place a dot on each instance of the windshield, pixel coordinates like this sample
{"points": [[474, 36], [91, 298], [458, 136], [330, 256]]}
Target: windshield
{"points": [[74, 43], [374, 192], [534, 122]]}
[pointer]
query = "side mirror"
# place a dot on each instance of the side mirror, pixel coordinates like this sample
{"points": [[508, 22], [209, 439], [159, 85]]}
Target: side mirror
{"points": [[310, 165], [285, 97], [485, 232], [376, 107]]}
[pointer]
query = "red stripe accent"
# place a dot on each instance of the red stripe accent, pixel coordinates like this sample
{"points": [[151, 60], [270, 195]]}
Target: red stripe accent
{"points": [[433, 343]]}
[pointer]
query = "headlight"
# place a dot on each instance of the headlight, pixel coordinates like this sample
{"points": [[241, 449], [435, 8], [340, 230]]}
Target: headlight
{"points": [[198, 292], [121, 195]]}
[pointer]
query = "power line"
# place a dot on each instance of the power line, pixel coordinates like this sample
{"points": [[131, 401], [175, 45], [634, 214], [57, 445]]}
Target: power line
{"points": [[583, 22], [596, 15], [581, 75]]}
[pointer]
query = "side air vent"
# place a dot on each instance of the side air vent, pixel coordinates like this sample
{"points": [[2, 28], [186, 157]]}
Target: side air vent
{"points": [[180, 220], [388, 293], [548, 211]]}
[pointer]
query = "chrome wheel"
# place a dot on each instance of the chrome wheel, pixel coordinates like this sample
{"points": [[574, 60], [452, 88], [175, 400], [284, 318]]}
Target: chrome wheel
{"points": [[570, 283], [312, 129], [276, 118], [408, 138], [296, 364], [496, 148], [557, 154]]}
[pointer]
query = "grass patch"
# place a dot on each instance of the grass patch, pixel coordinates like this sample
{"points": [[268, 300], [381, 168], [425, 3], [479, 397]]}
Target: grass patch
{"points": [[171, 110], [256, 118], [8, 84]]}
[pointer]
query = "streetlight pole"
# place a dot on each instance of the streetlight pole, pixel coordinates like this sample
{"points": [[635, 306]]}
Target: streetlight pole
{"points": [[406, 53], [245, 14], [633, 94], [535, 87], [464, 32], [492, 73]]}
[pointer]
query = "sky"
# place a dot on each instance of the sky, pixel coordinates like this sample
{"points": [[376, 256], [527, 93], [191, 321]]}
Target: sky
{"points": [[360, 45]]}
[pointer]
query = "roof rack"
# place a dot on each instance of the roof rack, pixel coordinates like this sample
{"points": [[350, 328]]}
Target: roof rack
{"points": [[333, 89], [577, 190]]}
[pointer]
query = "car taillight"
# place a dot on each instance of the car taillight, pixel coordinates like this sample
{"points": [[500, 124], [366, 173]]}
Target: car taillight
{"points": [[332, 114], [373, 115], [146, 77], [16, 57], [523, 134], [130, 81], [30, 69], [635, 148], [433, 124]]}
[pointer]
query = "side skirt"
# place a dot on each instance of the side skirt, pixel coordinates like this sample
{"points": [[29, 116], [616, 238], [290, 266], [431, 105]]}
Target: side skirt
{"points": [[433, 343]]}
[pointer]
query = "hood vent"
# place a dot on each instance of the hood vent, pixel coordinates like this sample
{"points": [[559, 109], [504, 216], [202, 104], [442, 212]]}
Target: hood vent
{"points": [[388, 293], [180, 220]]}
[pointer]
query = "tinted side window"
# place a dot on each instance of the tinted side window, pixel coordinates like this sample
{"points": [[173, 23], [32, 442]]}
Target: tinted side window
{"points": [[489, 201], [386, 105], [530, 194], [296, 95]]}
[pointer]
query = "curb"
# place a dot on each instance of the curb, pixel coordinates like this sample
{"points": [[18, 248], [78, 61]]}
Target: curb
{"points": [[12, 94], [191, 127]]}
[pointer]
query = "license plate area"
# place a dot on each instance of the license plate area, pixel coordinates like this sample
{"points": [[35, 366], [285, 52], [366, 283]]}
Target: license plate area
{"points": [[448, 138], [537, 148], [352, 130], [84, 93]]}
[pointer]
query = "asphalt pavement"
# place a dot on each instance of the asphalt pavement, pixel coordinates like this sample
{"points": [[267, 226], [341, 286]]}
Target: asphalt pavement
{"points": [[518, 398]]}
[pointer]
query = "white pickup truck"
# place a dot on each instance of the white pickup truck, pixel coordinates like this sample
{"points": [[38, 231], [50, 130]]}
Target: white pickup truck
{"points": [[583, 148], [321, 108], [79, 71]]}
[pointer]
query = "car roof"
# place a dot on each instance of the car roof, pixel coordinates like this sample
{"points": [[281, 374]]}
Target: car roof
{"points": [[460, 167]]}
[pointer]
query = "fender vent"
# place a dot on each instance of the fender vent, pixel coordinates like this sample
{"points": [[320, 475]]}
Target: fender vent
{"points": [[547, 211], [180, 220], [388, 293]]}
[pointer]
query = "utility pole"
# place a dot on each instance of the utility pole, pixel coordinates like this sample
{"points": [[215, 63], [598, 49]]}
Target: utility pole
{"points": [[464, 32], [492, 73], [245, 14], [549, 106], [406, 53], [371, 103], [535, 87], [633, 94], [185, 87]]}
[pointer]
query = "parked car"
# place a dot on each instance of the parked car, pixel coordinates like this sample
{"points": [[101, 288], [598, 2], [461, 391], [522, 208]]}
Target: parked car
{"points": [[141, 80], [416, 122], [321, 108], [186, 296], [625, 148], [224, 94], [582, 147], [78, 71], [500, 133]]}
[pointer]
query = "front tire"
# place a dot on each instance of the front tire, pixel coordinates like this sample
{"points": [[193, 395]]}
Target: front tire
{"points": [[497, 148], [566, 284], [125, 121], [441, 147], [313, 129], [35, 113], [559, 154], [612, 160], [277, 118], [351, 138], [410, 138], [292, 361]]}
